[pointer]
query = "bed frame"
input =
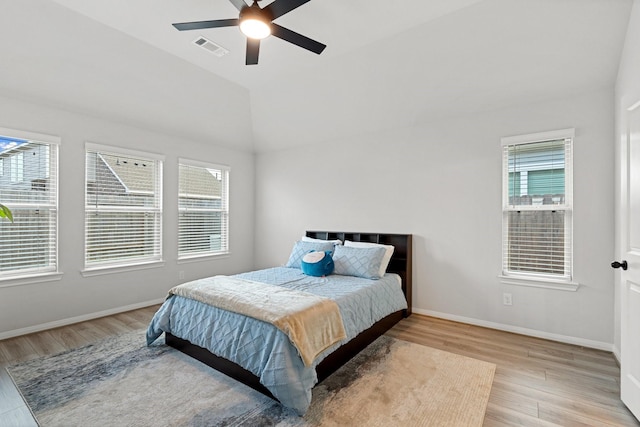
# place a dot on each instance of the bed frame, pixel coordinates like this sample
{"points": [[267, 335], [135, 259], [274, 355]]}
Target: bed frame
{"points": [[401, 264]]}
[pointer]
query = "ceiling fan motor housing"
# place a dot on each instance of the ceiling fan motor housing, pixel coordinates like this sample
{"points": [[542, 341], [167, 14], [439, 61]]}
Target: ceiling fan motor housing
{"points": [[256, 12]]}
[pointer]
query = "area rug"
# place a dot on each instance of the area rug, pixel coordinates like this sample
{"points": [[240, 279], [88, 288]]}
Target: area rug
{"points": [[121, 382]]}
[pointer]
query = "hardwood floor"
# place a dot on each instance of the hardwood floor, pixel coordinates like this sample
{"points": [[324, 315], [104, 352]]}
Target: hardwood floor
{"points": [[537, 382]]}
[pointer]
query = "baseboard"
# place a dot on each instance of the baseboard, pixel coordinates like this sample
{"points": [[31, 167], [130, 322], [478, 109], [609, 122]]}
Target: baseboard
{"points": [[616, 354], [77, 319], [518, 330]]}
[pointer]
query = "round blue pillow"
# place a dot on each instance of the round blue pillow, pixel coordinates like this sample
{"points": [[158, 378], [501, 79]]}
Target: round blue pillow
{"points": [[317, 263]]}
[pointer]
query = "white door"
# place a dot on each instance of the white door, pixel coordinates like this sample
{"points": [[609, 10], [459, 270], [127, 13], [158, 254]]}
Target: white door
{"points": [[630, 277]]}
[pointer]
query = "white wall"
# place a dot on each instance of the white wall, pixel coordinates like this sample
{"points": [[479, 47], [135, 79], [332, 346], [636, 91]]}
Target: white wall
{"points": [[28, 307], [627, 93], [442, 183]]}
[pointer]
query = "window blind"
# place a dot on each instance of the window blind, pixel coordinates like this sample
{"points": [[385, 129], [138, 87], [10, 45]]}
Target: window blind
{"points": [[29, 187], [203, 209], [537, 208], [123, 207]]}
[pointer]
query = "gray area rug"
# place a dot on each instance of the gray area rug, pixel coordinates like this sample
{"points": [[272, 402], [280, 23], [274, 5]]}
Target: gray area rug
{"points": [[121, 382]]}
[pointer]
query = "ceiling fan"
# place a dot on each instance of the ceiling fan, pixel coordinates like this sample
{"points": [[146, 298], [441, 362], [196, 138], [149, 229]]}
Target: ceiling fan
{"points": [[257, 23]]}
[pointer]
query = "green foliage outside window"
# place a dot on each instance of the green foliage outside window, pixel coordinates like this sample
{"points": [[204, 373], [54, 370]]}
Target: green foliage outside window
{"points": [[5, 212]]}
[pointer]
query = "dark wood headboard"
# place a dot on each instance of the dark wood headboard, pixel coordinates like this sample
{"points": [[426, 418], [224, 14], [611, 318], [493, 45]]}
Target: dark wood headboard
{"points": [[401, 261]]}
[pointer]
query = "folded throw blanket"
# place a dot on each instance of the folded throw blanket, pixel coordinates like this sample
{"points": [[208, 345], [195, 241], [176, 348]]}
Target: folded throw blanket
{"points": [[311, 322]]}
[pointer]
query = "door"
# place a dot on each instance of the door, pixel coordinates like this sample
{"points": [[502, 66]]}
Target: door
{"points": [[630, 252]]}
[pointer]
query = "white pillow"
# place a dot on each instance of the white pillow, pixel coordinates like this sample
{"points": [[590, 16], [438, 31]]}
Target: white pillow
{"points": [[385, 259], [311, 239]]}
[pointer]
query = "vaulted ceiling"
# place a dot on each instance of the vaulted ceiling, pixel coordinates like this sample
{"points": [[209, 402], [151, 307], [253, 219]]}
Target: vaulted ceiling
{"points": [[387, 64]]}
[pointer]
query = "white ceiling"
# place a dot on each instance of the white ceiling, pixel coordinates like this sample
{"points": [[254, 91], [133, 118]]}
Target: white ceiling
{"points": [[386, 65], [344, 26]]}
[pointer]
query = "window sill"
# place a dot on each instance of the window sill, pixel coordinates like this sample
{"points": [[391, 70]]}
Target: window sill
{"points": [[204, 257], [99, 271], [559, 285], [31, 279]]}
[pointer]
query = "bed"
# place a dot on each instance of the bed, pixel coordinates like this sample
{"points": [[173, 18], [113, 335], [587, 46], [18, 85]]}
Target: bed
{"points": [[260, 355]]}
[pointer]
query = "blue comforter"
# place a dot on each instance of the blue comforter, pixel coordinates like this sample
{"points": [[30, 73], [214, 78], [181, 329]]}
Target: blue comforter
{"points": [[263, 349]]}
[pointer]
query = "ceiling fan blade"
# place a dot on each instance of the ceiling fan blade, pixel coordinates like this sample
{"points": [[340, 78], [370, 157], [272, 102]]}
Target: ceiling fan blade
{"points": [[239, 4], [297, 39], [280, 7], [253, 49], [200, 25]]}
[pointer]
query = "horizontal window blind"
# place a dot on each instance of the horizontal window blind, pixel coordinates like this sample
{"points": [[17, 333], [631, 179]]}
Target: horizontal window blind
{"points": [[123, 207], [536, 242], [29, 187], [203, 209], [537, 208]]}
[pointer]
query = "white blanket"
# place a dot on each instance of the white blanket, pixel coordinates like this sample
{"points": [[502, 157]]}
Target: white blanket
{"points": [[311, 322]]}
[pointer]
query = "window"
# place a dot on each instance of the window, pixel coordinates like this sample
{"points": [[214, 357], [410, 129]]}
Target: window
{"points": [[16, 165], [203, 209], [29, 187], [123, 207], [537, 206]]}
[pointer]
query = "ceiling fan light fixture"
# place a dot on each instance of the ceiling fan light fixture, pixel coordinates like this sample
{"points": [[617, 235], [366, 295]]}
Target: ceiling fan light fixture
{"points": [[255, 22], [255, 28]]}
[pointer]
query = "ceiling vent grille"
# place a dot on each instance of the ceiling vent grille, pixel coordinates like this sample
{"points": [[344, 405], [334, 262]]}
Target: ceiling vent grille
{"points": [[210, 46]]}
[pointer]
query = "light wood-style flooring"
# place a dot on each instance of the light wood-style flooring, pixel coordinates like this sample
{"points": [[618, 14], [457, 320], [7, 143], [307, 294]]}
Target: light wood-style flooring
{"points": [[537, 382]]}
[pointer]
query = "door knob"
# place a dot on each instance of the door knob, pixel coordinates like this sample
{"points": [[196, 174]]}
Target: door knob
{"points": [[616, 264]]}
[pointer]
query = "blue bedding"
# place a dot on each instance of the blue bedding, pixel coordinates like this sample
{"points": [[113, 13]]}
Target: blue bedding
{"points": [[263, 349]]}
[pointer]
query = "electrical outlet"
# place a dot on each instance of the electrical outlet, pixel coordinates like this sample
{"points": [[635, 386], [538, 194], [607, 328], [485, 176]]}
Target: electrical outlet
{"points": [[180, 275], [507, 299]]}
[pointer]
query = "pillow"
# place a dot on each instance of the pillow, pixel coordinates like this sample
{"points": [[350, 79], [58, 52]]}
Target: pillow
{"points": [[311, 239], [317, 263], [359, 262], [300, 249], [387, 255]]}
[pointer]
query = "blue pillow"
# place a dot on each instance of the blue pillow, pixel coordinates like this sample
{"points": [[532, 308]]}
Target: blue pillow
{"points": [[317, 263], [359, 262], [300, 249]]}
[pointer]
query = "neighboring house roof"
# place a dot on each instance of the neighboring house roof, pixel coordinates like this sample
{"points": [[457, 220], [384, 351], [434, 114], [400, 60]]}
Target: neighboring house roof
{"points": [[199, 182], [134, 174]]}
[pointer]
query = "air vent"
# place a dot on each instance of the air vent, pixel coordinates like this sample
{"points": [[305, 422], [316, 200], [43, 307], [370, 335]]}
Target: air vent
{"points": [[210, 46]]}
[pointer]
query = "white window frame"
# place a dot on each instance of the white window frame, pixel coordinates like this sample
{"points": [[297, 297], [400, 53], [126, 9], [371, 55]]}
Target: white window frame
{"points": [[224, 210], [550, 281], [50, 272], [136, 263]]}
